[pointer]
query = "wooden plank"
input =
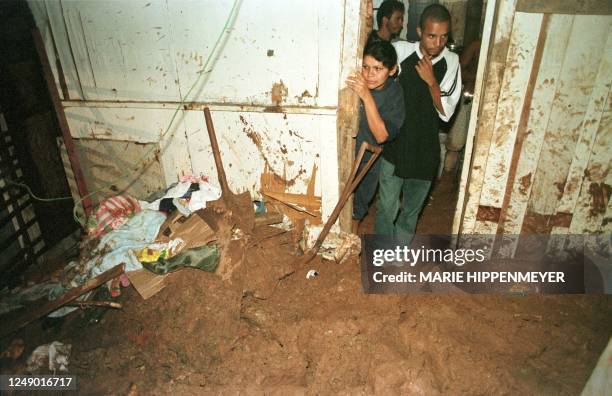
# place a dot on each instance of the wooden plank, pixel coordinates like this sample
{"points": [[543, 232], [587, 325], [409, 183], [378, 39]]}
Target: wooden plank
{"points": [[354, 36], [521, 132], [574, 88], [517, 70], [517, 75], [214, 107], [592, 211], [298, 207], [557, 36], [295, 202], [573, 7], [64, 299], [309, 202], [588, 132], [268, 218], [61, 118], [71, 17], [57, 28], [493, 75], [74, 191]]}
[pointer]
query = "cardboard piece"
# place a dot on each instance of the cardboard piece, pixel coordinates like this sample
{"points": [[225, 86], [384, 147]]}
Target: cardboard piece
{"points": [[146, 283], [194, 230]]}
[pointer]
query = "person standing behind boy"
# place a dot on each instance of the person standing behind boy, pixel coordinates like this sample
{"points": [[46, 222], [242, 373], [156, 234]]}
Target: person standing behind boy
{"points": [[381, 115], [431, 80], [457, 136], [390, 21]]}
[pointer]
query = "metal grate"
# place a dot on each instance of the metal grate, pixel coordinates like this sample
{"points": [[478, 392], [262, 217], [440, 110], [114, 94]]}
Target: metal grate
{"points": [[21, 242]]}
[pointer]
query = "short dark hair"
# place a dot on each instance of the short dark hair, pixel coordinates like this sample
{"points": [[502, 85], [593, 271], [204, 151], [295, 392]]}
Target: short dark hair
{"points": [[382, 51], [435, 13], [387, 8]]}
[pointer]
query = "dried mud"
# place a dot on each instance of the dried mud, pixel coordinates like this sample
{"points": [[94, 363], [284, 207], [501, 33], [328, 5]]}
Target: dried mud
{"points": [[260, 335]]}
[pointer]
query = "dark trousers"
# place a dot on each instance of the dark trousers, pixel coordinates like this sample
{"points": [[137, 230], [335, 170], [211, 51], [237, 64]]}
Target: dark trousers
{"points": [[366, 189], [414, 192]]}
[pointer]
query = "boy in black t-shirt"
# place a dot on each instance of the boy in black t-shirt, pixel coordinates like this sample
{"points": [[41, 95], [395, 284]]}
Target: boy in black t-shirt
{"points": [[431, 81]]}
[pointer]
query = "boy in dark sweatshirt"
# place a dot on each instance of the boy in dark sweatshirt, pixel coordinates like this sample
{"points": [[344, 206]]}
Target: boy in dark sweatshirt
{"points": [[381, 114]]}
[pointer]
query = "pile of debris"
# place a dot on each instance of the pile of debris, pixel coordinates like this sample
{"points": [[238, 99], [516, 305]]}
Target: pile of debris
{"points": [[191, 224]]}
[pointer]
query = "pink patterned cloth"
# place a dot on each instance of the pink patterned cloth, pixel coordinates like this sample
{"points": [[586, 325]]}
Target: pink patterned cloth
{"points": [[112, 213]]}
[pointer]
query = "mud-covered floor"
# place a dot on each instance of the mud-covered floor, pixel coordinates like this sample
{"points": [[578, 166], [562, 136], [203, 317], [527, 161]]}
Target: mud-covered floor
{"points": [[201, 335]]}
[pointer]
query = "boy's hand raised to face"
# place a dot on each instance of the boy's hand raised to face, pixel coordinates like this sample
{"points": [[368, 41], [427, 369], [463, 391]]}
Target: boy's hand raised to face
{"points": [[425, 70], [357, 83]]}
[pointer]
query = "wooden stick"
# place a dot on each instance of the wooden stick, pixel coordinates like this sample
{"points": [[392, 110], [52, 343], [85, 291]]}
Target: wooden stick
{"points": [[349, 187], [63, 122], [225, 190], [87, 304], [64, 299], [280, 197]]}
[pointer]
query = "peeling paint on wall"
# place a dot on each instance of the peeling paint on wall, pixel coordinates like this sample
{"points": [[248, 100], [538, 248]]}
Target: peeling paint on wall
{"points": [[278, 93]]}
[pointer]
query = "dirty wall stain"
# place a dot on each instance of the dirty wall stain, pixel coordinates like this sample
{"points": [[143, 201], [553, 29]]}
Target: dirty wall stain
{"points": [[257, 141], [279, 92]]}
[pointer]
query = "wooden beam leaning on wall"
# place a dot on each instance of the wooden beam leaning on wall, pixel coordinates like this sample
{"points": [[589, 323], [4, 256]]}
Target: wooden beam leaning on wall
{"points": [[496, 41], [61, 119], [522, 129], [348, 102]]}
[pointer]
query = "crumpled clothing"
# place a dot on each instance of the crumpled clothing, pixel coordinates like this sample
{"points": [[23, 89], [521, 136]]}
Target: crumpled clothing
{"points": [[205, 258], [118, 246], [111, 214], [197, 198], [114, 248]]}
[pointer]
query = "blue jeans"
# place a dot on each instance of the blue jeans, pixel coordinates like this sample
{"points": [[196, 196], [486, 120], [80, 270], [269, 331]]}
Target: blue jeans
{"points": [[390, 187]]}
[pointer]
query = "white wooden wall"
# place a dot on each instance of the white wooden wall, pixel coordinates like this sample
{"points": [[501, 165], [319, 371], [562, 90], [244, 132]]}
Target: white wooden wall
{"points": [[543, 136], [273, 89]]}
